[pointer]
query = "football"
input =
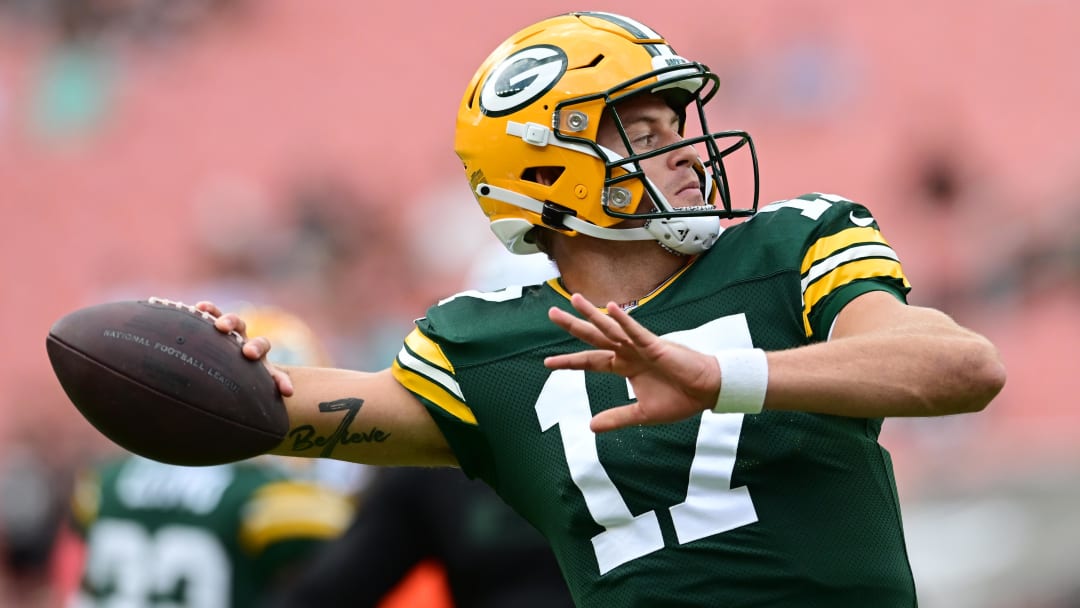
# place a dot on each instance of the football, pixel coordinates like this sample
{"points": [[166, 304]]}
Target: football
{"points": [[157, 378]]}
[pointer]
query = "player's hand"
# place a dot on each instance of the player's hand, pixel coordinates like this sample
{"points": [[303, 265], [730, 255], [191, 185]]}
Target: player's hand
{"points": [[671, 382], [254, 348]]}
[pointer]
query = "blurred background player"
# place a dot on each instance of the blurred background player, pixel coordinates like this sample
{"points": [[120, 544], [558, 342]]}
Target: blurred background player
{"points": [[414, 516], [148, 534]]}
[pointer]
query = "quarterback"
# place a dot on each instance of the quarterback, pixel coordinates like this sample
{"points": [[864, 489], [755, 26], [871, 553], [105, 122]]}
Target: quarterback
{"points": [[690, 412]]}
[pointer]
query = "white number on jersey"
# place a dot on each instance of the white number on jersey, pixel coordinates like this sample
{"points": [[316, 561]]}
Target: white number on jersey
{"points": [[142, 567], [711, 507]]}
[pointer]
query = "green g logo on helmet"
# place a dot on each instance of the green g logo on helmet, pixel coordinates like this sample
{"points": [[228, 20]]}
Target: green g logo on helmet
{"points": [[522, 78]]}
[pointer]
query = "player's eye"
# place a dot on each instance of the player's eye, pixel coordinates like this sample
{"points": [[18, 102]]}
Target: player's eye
{"points": [[644, 141]]}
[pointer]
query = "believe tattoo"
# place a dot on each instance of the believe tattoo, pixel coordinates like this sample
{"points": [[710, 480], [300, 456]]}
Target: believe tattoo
{"points": [[304, 437]]}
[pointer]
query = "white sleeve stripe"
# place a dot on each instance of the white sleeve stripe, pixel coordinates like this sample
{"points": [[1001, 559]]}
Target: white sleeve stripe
{"points": [[510, 292], [431, 372], [832, 262], [833, 198], [636, 28]]}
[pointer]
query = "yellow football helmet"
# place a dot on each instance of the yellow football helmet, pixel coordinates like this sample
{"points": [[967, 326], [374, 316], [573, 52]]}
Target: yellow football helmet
{"points": [[537, 102], [292, 340]]}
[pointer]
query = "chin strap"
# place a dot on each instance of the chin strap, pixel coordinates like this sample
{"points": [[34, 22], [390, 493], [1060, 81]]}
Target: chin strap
{"points": [[689, 235]]}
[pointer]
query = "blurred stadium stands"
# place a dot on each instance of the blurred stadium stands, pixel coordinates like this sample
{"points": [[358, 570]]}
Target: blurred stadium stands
{"points": [[164, 148]]}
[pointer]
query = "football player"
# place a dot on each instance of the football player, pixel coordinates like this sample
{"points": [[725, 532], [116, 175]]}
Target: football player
{"points": [[690, 411], [150, 534]]}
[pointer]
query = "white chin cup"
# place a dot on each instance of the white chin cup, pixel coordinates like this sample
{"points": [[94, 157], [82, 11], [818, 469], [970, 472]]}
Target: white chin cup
{"points": [[686, 235]]}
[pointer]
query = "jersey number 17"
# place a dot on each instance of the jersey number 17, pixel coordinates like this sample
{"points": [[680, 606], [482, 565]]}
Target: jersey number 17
{"points": [[711, 507]]}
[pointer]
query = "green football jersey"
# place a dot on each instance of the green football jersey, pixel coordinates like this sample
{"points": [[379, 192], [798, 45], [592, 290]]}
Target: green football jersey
{"points": [[196, 537], [774, 509]]}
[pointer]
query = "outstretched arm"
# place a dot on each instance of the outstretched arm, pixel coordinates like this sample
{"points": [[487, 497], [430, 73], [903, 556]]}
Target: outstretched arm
{"points": [[345, 414], [885, 358]]}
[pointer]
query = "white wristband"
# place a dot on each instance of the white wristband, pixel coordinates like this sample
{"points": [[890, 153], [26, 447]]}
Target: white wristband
{"points": [[744, 376]]}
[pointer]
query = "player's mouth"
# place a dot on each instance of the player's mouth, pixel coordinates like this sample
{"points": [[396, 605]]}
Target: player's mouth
{"points": [[689, 190]]}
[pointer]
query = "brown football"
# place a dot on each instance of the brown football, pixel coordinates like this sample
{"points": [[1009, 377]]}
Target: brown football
{"points": [[157, 378]]}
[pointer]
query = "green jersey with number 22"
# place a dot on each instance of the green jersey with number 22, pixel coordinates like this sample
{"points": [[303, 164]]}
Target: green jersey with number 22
{"points": [[160, 536], [775, 509]]}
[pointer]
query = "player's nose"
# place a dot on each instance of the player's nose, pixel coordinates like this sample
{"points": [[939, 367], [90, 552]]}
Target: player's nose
{"points": [[682, 156]]}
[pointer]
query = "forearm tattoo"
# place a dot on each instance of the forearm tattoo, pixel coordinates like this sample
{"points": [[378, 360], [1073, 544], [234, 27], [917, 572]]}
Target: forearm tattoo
{"points": [[304, 437]]}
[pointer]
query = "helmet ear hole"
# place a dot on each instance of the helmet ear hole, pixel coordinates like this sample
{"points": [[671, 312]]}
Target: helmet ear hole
{"points": [[544, 176]]}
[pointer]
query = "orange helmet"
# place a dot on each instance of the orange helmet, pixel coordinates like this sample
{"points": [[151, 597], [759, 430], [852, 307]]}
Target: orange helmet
{"points": [[537, 102]]}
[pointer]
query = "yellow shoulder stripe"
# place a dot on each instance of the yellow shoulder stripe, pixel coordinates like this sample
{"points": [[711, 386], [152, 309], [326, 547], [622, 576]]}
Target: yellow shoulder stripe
{"points": [[433, 392], [293, 510], [826, 246], [844, 274], [423, 368], [428, 350]]}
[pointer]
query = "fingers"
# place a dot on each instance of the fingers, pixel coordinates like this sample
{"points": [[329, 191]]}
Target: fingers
{"points": [[256, 348], [253, 349], [596, 328], [617, 418], [231, 322], [639, 336], [613, 330], [208, 307], [603, 322], [224, 323], [580, 329], [282, 379], [592, 360]]}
